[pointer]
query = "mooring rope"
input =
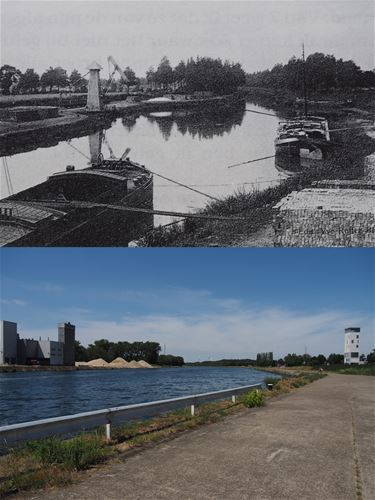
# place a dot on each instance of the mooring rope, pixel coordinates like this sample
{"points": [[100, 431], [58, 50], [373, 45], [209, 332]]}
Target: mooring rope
{"points": [[251, 161], [80, 152], [260, 112]]}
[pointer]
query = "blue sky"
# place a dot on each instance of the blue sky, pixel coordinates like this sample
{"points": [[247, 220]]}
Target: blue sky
{"points": [[201, 303]]}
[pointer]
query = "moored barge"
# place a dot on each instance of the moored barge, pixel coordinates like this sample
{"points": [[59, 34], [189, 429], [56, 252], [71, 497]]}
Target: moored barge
{"points": [[80, 207]]}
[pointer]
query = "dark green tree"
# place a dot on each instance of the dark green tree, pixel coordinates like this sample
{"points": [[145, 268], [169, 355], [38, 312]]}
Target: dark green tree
{"points": [[29, 81], [335, 359], [9, 78], [78, 83], [131, 78], [54, 77]]}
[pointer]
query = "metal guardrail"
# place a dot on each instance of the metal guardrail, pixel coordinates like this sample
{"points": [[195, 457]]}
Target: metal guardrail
{"points": [[12, 435]]}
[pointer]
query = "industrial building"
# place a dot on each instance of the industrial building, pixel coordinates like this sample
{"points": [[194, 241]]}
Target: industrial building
{"points": [[351, 350], [14, 350]]}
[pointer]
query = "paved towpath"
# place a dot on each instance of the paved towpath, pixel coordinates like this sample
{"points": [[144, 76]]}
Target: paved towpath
{"points": [[316, 443]]}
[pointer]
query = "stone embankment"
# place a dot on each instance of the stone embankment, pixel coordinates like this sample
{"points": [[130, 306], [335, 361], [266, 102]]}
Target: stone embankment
{"points": [[330, 214]]}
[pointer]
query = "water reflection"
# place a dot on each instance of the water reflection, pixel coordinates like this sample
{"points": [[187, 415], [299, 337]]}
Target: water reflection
{"points": [[200, 124], [193, 147]]}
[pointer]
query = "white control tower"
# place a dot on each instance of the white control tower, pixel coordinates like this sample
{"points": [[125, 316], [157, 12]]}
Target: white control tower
{"points": [[351, 350]]}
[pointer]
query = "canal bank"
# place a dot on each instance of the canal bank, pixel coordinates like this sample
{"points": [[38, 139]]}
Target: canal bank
{"points": [[16, 137], [346, 161], [325, 428]]}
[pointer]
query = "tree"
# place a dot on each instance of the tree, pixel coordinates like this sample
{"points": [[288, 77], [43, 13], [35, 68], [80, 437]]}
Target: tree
{"points": [[80, 351], [9, 77], [170, 360], [78, 83], [164, 73], [371, 357], [131, 78], [293, 360], [29, 81], [54, 77], [336, 359], [150, 76]]}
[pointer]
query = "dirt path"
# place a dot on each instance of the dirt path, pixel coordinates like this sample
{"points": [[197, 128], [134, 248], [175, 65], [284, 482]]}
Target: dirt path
{"points": [[315, 443]]}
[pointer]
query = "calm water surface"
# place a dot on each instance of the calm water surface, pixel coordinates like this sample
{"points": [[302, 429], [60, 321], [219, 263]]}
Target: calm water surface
{"points": [[31, 396], [194, 149]]}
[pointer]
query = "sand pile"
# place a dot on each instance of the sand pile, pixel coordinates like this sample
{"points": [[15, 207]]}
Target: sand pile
{"points": [[144, 364], [119, 363], [99, 363], [81, 363], [134, 364]]}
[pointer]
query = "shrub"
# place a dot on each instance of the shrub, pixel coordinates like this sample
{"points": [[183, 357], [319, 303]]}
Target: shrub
{"points": [[253, 399]]}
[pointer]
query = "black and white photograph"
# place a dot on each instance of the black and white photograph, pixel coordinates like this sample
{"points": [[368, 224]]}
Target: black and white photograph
{"points": [[169, 124]]}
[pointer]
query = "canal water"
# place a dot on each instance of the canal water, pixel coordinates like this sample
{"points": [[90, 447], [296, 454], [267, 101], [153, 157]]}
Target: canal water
{"points": [[35, 395], [194, 148]]}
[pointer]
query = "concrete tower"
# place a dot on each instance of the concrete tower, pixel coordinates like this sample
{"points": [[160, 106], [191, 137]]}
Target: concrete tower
{"points": [[351, 350], [67, 335], [8, 342], [93, 94]]}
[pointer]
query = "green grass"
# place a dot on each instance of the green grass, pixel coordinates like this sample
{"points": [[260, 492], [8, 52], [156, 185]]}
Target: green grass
{"points": [[353, 370], [57, 462], [77, 453], [253, 399]]}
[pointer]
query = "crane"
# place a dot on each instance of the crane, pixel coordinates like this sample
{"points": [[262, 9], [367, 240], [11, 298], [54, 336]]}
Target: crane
{"points": [[118, 69]]}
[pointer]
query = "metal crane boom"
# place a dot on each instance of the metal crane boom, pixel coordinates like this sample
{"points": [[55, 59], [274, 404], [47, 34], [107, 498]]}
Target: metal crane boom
{"points": [[117, 68]]}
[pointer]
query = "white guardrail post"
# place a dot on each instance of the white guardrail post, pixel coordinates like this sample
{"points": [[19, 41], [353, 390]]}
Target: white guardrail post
{"points": [[69, 425]]}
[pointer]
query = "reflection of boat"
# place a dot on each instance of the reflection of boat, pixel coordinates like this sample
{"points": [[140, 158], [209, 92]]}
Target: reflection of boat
{"points": [[80, 207], [300, 142]]}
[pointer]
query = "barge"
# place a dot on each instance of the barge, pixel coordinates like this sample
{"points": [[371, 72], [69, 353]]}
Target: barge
{"points": [[301, 142], [81, 207]]}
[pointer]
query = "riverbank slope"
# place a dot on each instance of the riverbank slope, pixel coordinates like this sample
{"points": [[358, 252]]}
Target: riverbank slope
{"points": [[325, 428], [346, 161]]}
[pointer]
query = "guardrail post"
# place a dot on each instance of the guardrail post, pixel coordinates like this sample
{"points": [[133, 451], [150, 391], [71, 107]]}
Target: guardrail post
{"points": [[233, 398], [108, 431], [192, 410]]}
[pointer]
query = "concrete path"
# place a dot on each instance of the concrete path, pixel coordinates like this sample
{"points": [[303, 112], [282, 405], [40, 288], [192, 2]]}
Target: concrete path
{"points": [[317, 443]]}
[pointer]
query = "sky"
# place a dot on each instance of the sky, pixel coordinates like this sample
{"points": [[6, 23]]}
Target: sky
{"points": [[258, 34], [200, 303]]}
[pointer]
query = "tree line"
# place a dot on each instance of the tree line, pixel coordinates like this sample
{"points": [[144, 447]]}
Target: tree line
{"points": [[148, 351], [323, 73], [203, 74], [13, 81], [289, 360]]}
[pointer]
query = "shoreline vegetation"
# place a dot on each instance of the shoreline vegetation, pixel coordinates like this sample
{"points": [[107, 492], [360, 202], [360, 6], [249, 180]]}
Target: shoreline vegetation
{"points": [[346, 161], [55, 462]]}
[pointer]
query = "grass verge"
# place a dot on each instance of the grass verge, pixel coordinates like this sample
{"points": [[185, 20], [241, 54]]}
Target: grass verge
{"points": [[57, 462]]}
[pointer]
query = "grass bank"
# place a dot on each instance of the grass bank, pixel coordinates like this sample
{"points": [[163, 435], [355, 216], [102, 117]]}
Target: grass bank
{"points": [[54, 462], [353, 370], [346, 161]]}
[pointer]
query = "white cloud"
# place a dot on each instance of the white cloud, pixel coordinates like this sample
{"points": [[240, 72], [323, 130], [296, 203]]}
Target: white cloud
{"points": [[240, 334], [16, 302]]}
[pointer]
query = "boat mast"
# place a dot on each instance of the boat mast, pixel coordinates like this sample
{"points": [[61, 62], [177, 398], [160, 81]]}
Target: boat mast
{"points": [[304, 79]]}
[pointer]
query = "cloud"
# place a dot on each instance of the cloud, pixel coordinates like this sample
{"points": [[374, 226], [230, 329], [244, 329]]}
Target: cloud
{"points": [[234, 334], [45, 287], [16, 302]]}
